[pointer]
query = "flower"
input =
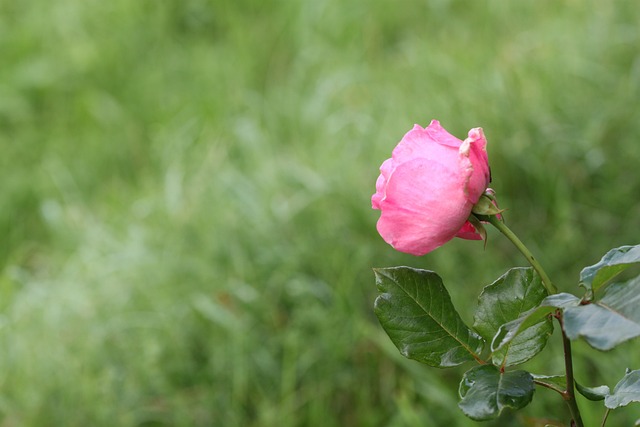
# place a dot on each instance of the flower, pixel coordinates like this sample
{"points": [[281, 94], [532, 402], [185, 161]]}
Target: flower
{"points": [[427, 189]]}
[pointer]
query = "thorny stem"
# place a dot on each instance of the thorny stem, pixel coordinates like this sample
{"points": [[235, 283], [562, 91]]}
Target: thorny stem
{"points": [[524, 250]]}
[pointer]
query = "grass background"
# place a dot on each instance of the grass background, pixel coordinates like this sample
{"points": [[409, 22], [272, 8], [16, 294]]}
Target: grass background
{"points": [[185, 222]]}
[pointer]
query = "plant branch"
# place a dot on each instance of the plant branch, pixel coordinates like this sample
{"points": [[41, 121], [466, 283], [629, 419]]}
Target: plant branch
{"points": [[493, 220]]}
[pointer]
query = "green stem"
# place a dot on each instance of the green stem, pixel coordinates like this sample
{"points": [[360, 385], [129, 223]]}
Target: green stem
{"points": [[569, 394], [606, 415], [493, 220]]}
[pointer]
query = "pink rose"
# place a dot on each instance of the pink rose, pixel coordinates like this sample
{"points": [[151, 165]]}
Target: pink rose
{"points": [[427, 189]]}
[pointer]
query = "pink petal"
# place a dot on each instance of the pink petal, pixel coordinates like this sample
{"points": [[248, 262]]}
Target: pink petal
{"points": [[468, 232], [424, 207], [386, 169], [433, 143], [439, 134], [474, 165]]}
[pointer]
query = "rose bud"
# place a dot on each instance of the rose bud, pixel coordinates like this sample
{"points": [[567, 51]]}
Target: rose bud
{"points": [[427, 189]]}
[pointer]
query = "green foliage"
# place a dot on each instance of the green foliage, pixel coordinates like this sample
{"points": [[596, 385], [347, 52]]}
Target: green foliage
{"points": [[514, 312], [514, 293], [612, 263], [593, 393], [608, 321], [486, 392], [626, 391], [416, 311], [512, 329]]}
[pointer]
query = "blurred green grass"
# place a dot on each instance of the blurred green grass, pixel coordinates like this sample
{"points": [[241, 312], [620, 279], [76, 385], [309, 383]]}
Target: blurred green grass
{"points": [[185, 217]]}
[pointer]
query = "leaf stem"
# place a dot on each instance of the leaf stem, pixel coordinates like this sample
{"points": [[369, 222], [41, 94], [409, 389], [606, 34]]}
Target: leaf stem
{"points": [[543, 384], [570, 394], [493, 220], [606, 415]]}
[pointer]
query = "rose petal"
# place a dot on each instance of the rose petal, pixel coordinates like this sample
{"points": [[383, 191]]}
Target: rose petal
{"points": [[468, 232], [474, 164], [415, 219], [439, 134], [433, 143], [385, 172]]}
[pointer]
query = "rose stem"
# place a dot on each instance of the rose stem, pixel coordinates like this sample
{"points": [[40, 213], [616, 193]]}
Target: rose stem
{"points": [[569, 395], [523, 249]]}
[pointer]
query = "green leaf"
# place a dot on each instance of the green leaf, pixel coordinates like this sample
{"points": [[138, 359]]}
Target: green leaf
{"points": [[625, 392], [485, 392], [613, 263], [514, 293], [415, 310], [611, 320], [554, 382], [593, 393], [509, 331]]}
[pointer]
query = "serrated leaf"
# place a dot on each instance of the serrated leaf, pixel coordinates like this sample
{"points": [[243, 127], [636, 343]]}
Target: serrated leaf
{"points": [[625, 392], [609, 321], [507, 332], [554, 382], [512, 294], [415, 310], [485, 392], [593, 393], [612, 263]]}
